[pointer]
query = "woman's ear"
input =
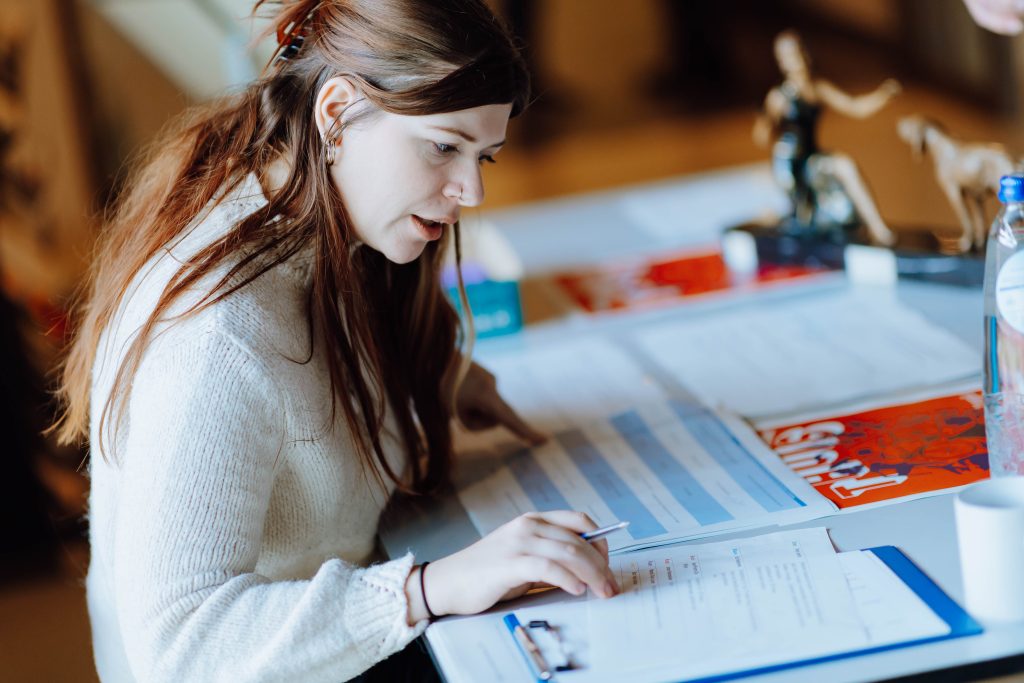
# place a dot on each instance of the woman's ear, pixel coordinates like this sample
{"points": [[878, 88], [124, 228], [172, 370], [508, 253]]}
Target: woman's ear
{"points": [[335, 96]]}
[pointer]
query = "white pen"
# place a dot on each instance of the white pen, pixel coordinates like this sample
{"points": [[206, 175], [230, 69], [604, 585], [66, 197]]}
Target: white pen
{"points": [[603, 531]]}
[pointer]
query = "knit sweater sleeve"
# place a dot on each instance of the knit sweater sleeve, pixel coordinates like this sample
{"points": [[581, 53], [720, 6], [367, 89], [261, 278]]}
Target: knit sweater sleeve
{"points": [[205, 430]]}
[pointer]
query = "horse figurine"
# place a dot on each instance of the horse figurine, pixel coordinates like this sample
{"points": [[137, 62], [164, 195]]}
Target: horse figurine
{"points": [[967, 172]]}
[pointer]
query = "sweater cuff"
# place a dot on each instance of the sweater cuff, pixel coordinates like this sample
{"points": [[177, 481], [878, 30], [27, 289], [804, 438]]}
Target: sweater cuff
{"points": [[376, 606]]}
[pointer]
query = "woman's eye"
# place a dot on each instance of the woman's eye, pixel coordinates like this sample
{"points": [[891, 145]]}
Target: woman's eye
{"points": [[488, 158], [445, 149]]}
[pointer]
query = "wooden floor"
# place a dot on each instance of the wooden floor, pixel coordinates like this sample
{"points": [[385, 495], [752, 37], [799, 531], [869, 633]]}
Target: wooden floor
{"points": [[44, 634]]}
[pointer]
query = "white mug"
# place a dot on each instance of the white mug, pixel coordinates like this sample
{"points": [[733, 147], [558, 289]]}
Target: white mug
{"points": [[990, 531]]}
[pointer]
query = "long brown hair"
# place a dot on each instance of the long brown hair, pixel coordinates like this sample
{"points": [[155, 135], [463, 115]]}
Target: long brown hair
{"points": [[390, 335]]}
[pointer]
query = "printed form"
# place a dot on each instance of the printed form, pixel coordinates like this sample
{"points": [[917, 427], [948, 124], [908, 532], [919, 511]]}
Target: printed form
{"points": [[622, 449], [781, 357], [698, 610]]}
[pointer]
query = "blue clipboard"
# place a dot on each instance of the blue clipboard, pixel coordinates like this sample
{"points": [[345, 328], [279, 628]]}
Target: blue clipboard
{"points": [[960, 622]]}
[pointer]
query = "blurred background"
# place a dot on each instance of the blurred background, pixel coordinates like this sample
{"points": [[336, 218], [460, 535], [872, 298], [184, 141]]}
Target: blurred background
{"points": [[627, 92]]}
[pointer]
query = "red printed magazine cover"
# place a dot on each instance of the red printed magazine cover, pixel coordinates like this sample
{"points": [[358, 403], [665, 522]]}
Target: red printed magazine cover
{"points": [[667, 279], [890, 452]]}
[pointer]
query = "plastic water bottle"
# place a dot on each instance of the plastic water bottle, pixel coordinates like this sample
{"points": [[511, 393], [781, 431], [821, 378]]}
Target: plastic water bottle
{"points": [[1004, 332]]}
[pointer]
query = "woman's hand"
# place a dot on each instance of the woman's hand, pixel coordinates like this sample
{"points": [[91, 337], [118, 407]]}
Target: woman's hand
{"points": [[480, 406], [538, 548]]}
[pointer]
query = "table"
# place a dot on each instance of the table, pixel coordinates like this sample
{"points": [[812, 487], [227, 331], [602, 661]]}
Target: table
{"points": [[589, 229]]}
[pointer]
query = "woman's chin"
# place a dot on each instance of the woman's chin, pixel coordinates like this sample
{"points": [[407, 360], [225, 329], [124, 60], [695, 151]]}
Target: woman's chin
{"points": [[403, 253]]}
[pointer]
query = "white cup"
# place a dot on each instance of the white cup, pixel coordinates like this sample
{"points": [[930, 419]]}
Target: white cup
{"points": [[990, 530]]}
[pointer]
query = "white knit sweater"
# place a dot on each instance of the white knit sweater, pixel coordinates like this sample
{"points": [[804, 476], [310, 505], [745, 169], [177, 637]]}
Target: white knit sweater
{"points": [[227, 538]]}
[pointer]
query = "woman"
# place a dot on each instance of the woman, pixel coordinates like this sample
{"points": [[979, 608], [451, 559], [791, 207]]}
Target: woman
{"points": [[829, 194], [265, 354]]}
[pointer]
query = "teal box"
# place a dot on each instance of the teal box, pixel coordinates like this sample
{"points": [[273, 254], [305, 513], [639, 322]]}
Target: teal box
{"points": [[495, 304]]}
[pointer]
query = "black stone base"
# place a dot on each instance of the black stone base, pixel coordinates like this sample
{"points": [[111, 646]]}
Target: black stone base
{"points": [[917, 252]]}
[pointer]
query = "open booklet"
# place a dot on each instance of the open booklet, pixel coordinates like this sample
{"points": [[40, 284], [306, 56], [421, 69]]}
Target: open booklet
{"points": [[713, 611], [673, 469]]}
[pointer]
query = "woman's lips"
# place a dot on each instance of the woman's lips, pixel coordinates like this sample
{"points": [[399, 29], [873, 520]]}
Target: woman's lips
{"points": [[430, 230]]}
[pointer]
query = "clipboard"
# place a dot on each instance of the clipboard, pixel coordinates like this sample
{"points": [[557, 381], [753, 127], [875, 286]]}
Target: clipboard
{"points": [[451, 654], [960, 623]]}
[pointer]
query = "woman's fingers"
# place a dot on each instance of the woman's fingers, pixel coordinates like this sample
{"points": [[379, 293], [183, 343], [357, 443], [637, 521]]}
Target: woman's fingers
{"points": [[576, 522], [507, 417], [564, 527], [563, 535], [538, 569], [476, 420], [497, 412], [580, 522], [584, 563], [601, 546], [480, 406]]}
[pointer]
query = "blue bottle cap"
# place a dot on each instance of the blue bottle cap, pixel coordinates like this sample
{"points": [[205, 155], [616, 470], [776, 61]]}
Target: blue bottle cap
{"points": [[1011, 188]]}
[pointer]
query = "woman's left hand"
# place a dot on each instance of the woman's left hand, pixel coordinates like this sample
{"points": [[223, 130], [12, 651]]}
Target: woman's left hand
{"points": [[480, 406]]}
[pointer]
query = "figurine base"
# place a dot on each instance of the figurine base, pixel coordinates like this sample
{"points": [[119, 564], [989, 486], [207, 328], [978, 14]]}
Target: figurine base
{"points": [[918, 253]]}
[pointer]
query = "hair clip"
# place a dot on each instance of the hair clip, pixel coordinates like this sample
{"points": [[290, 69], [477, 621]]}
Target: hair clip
{"points": [[293, 47], [290, 38]]}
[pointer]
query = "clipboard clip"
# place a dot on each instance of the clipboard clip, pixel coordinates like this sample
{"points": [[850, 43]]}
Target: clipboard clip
{"points": [[526, 641], [564, 661]]}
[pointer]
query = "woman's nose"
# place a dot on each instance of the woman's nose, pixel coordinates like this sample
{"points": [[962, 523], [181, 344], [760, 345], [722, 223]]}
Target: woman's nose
{"points": [[466, 187]]}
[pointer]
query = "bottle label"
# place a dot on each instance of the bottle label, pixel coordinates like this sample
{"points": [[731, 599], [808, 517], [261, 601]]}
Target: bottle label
{"points": [[1010, 291]]}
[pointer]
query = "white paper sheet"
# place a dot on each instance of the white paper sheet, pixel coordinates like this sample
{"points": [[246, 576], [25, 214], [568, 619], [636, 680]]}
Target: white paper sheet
{"points": [[700, 610], [781, 357], [884, 611], [956, 388], [701, 209], [890, 610], [558, 385]]}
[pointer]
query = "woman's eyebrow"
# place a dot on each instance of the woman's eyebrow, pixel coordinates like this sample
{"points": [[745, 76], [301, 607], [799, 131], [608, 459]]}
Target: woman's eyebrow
{"points": [[466, 136]]}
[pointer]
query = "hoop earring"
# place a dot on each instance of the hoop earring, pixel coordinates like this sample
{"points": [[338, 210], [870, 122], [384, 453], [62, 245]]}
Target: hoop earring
{"points": [[330, 150]]}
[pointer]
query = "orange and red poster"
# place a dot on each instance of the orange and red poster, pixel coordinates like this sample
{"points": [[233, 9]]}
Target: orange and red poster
{"points": [[659, 281], [886, 453]]}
